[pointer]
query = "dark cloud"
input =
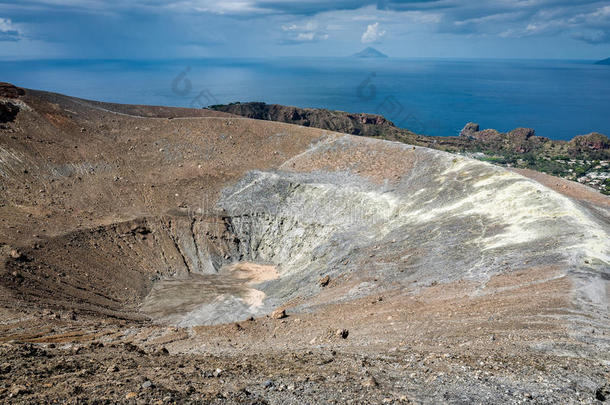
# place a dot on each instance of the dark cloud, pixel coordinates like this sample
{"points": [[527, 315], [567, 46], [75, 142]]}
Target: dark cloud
{"points": [[118, 27], [586, 20], [312, 7]]}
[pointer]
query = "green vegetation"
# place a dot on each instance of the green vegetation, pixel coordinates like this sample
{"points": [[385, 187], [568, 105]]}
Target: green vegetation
{"points": [[606, 187], [594, 173]]}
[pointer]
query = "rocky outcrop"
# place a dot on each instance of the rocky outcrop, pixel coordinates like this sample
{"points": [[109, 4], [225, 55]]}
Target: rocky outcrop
{"points": [[470, 130], [8, 108], [8, 112], [519, 140], [523, 133], [355, 124], [8, 90], [593, 141]]}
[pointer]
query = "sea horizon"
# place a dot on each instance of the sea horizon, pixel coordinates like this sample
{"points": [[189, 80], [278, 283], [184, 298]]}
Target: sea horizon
{"points": [[431, 96]]}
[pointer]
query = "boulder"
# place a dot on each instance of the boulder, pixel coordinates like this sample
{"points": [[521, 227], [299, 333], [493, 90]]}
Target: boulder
{"points": [[342, 333], [15, 254], [369, 382], [324, 281], [279, 314]]}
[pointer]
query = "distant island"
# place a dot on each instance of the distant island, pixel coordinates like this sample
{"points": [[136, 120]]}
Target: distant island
{"points": [[603, 62], [370, 53]]}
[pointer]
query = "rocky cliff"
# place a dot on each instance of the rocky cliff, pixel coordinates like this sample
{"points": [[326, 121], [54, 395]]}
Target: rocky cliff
{"points": [[356, 124]]}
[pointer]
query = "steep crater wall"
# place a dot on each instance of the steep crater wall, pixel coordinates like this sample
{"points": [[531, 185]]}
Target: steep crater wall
{"points": [[287, 224]]}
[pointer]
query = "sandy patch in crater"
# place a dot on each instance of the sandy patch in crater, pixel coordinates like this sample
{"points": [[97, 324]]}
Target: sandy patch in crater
{"points": [[251, 272]]}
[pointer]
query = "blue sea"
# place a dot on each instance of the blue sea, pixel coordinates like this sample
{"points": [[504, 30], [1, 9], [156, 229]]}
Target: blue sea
{"points": [[559, 99]]}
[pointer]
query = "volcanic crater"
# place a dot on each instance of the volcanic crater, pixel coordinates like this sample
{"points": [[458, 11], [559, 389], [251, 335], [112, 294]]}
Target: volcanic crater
{"points": [[185, 229]]}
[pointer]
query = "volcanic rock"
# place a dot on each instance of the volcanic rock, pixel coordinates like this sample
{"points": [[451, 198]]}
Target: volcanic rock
{"points": [[8, 90], [8, 111], [469, 130], [342, 333], [278, 314], [324, 281], [369, 382], [593, 141]]}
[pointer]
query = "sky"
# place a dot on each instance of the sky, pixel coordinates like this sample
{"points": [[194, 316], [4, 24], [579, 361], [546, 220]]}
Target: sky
{"points": [[157, 29]]}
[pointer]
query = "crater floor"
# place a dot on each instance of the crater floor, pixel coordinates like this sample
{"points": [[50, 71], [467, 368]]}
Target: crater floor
{"points": [[208, 299], [144, 250]]}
